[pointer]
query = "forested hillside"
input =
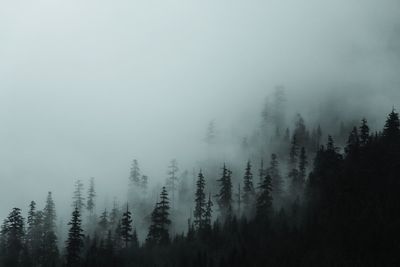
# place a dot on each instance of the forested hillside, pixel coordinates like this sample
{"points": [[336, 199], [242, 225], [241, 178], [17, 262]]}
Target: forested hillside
{"points": [[300, 197]]}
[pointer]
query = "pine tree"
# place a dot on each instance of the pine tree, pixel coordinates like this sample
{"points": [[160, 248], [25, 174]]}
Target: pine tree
{"points": [[200, 202], [31, 225], [126, 227], [153, 236], [277, 182], [75, 240], [391, 131], [36, 234], [90, 205], [31, 214], [264, 199], [78, 199], [13, 235], [134, 176], [164, 214], [172, 180], [208, 213], [248, 188], [158, 230], [364, 132], [225, 193], [49, 243]]}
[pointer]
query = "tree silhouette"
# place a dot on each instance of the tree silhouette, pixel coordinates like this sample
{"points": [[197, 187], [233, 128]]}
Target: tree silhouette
{"points": [[75, 240], [225, 193], [248, 189], [90, 205], [13, 235], [49, 243], [200, 202], [78, 199], [172, 180], [126, 226], [134, 175], [277, 181], [364, 132], [158, 231], [391, 131]]}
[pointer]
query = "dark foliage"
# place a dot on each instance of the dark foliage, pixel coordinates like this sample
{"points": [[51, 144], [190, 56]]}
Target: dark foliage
{"points": [[346, 213]]}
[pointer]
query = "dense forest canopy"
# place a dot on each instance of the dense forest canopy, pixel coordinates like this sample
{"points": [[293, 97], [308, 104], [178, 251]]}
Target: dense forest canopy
{"points": [[294, 194]]}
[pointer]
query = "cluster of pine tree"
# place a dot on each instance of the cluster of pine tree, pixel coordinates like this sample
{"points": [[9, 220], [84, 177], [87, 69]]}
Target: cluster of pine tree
{"points": [[342, 211]]}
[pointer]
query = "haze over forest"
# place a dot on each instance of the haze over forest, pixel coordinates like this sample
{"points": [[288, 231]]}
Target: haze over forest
{"points": [[88, 86]]}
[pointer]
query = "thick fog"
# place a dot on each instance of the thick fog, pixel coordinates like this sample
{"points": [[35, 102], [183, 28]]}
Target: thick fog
{"points": [[87, 86]]}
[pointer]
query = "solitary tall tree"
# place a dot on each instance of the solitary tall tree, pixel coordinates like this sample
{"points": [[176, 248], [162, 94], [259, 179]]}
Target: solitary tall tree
{"points": [[248, 188], [158, 231], [164, 215], [126, 227], [225, 193], [31, 214], [134, 175], [172, 180], [78, 198], [200, 202], [49, 243], [90, 205], [31, 225], [75, 239]]}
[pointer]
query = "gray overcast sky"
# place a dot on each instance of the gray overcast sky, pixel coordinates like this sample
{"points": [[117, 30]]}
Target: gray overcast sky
{"points": [[88, 85]]}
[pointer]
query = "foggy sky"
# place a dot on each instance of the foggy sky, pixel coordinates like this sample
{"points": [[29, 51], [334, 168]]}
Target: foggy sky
{"points": [[86, 86]]}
